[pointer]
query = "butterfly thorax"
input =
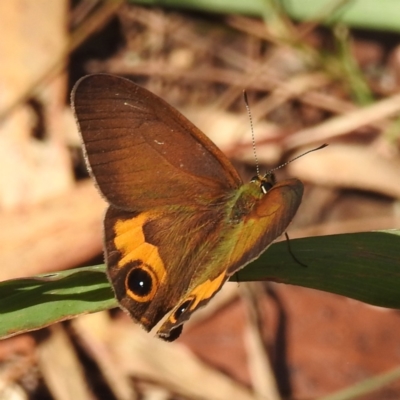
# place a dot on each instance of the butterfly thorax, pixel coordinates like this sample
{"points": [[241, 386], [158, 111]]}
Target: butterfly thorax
{"points": [[247, 196]]}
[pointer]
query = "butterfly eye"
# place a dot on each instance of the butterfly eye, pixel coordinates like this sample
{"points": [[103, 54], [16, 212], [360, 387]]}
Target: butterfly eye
{"points": [[266, 182], [141, 283], [266, 186]]}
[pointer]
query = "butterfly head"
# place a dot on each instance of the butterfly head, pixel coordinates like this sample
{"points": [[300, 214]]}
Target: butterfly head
{"points": [[265, 182]]}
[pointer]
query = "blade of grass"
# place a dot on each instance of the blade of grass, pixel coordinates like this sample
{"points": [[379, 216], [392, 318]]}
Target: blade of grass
{"points": [[365, 387], [364, 266], [370, 14], [33, 303]]}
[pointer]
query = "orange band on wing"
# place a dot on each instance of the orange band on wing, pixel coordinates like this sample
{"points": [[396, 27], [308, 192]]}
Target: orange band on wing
{"points": [[131, 243], [206, 290], [201, 293]]}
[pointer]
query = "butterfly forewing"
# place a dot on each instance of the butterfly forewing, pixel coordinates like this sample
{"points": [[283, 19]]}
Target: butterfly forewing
{"points": [[142, 152]]}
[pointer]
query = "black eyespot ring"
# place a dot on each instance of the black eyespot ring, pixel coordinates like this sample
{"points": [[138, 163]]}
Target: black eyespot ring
{"points": [[141, 283], [182, 308]]}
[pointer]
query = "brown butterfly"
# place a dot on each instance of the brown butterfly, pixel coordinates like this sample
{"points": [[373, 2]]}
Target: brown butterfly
{"points": [[180, 220]]}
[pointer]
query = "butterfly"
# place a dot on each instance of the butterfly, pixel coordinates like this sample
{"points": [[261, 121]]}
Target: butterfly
{"points": [[180, 220]]}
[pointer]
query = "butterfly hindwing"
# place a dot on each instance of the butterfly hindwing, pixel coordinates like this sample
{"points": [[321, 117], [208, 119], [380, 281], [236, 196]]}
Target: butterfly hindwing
{"points": [[149, 276]]}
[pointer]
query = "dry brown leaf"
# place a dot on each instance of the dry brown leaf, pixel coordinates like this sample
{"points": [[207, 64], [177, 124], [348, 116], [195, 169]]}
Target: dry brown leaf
{"points": [[346, 123], [61, 368], [350, 166], [172, 366], [59, 234], [95, 333]]}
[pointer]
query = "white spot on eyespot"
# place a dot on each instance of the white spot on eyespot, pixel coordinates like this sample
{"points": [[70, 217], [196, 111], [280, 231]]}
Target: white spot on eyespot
{"points": [[156, 141]]}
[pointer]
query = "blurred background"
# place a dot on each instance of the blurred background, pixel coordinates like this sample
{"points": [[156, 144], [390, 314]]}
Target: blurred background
{"points": [[322, 72]]}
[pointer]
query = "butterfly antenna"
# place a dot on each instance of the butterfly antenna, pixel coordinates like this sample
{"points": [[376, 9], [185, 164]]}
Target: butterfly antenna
{"points": [[253, 139], [301, 155]]}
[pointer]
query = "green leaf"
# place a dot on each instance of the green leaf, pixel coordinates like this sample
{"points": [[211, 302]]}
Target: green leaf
{"points": [[370, 14], [29, 304], [364, 266]]}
